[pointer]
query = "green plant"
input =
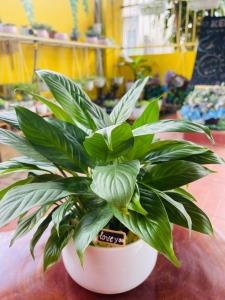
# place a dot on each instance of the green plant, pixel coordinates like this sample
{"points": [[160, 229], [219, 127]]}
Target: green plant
{"points": [[89, 170], [91, 33], [138, 66]]}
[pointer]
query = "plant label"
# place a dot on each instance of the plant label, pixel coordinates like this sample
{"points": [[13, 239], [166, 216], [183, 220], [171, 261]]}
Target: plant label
{"points": [[112, 237]]}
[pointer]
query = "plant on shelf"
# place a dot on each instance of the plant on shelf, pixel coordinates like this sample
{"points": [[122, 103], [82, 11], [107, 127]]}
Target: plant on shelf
{"points": [[74, 34], [138, 66], [90, 171]]}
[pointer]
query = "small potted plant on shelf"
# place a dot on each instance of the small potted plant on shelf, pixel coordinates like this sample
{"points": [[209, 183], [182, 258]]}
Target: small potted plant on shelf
{"points": [[109, 190], [75, 34], [91, 36], [9, 28], [41, 30]]}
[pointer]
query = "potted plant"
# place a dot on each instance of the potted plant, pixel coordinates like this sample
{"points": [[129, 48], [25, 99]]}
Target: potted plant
{"points": [[9, 28], [109, 190], [75, 34], [91, 36], [41, 30]]}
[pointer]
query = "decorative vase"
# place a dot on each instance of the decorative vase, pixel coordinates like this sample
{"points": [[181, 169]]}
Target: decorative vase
{"points": [[110, 270]]}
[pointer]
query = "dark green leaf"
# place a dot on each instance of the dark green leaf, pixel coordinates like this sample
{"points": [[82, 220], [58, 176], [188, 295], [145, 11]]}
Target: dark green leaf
{"points": [[10, 118], [116, 183], [25, 224], [122, 111], [89, 226], [154, 228], [173, 174], [51, 142], [168, 150], [141, 147], [22, 198], [200, 221], [150, 114], [74, 100], [55, 244], [172, 126], [39, 232], [60, 213], [206, 158]]}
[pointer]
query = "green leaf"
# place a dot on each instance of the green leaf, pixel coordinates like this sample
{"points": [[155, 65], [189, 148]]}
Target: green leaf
{"points": [[19, 182], [141, 147], [173, 174], [25, 224], [39, 232], [13, 165], [178, 207], [22, 198], [109, 143], [85, 114], [169, 150], [154, 228], [51, 142], [10, 118], [55, 244], [200, 221], [122, 111], [208, 157], [89, 226], [150, 114], [60, 213], [172, 126], [116, 183], [57, 110], [71, 131], [20, 144]]}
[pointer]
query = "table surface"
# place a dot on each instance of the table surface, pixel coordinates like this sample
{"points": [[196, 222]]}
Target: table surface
{"points": [[201, 276]]}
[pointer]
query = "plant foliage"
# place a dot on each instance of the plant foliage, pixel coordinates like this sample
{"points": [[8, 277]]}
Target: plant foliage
{"points": [[91, 170]]}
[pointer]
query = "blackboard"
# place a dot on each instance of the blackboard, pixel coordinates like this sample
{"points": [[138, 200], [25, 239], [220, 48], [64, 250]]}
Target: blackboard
{"points": [[210, 60]]}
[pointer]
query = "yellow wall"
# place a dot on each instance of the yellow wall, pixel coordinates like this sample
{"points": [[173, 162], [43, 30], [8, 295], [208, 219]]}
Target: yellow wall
{"points": [[17, 67]]}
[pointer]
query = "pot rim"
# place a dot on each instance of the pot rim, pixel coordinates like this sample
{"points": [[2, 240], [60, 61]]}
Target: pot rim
{"points": [[118, 248]]}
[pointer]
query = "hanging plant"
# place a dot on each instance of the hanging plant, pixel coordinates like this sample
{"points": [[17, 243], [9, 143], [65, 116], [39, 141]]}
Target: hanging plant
{"points": [[73, 5], [28, 7], [85, 5]]}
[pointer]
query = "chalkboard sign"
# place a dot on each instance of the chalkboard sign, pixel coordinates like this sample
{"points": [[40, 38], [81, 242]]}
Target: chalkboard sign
{"points": [[111, 237], [210, 61]]}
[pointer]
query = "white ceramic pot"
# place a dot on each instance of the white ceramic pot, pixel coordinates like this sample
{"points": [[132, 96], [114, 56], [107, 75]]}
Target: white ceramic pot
{"points": [[99, 82], [61, 36], [42, 33], [89, 85], [10, 28], [111, 270], [92, 39], [118, 80]]}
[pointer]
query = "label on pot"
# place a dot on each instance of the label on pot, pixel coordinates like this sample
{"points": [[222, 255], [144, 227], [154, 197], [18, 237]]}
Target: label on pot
{"points": [[112, 237]]}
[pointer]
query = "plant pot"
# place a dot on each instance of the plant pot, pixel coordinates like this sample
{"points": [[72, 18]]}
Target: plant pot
{"points": [[203, 4], [10, 28], [89, 85], [99, 82], [42, 33], [92, 39], [97, 27], [61, 36], [118, 80], [24, 30], [111, 270]]}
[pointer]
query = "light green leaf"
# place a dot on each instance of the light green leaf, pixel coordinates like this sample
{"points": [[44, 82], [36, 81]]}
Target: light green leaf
{"points": [[20, 144], [85, 114], [89, 226], [109, 143], [10, 118], [51, 142], [141, 147], [172, 126], [26, 223], [154, 228], [169, 150], [55, 244], [22, 198], [57, 110], [122, 111], [150, 114], [116, 183], [173, 174], [200, 221], [19, 182]]}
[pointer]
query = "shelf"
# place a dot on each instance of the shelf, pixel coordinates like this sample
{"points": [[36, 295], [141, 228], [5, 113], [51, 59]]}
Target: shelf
{"points": [[30, 39]]}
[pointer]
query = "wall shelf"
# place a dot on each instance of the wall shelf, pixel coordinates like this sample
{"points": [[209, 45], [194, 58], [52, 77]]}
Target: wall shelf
{"points": [[30, 39]]}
